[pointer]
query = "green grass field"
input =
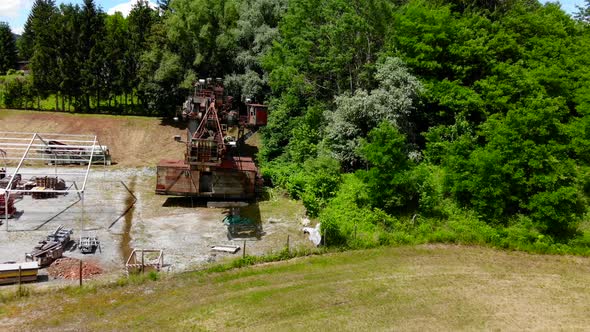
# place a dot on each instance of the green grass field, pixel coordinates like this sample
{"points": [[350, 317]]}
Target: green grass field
{"points": [[130, 106], [439, 287]]}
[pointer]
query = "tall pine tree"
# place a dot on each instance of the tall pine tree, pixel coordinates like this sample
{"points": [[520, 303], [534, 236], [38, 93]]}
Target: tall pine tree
{"points": [[7, 49], [91, 52], [140, 22], [583, 14], [40, 32], [69, 57]]}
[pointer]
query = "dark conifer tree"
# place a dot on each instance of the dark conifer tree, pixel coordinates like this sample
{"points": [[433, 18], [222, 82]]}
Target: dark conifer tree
{"points": [[8, 54], [41, 25], [91, 52], [68, 53]]}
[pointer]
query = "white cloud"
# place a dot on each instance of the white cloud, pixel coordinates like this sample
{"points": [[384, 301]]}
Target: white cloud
{"points": [[126, 7], [14, 8], [18, 30]]}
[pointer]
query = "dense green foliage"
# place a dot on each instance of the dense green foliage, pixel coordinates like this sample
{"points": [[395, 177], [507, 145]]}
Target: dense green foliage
{"points": [[8, 54], [17, 91], [465, 123], [393, 121], [92, 60]]}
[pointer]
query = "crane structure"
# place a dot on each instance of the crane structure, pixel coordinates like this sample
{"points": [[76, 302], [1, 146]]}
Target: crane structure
{"points": [[207, 142], [213, 166]]}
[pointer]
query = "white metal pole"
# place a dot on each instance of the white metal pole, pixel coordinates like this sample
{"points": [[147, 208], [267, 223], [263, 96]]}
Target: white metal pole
{"points": [[83, 221], [104, 160], [9, 185], [89, 164], [6, 208], [22, 159]]}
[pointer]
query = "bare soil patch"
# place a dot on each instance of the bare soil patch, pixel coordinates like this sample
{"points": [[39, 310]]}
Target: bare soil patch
{"points": [[132, 140], [69, 268]]}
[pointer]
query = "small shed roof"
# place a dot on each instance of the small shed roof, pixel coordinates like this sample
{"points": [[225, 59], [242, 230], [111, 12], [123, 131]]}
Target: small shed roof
{"points": [[23, 266]]}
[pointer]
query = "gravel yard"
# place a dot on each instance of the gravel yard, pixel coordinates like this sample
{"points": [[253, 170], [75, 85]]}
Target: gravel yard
{"points": [[120, 208]]}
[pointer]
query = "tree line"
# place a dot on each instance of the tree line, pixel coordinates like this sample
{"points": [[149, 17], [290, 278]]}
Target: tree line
{"points": [[144, 63], [80, 54]]}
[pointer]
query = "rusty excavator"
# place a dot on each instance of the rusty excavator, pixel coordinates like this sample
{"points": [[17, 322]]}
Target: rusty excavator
{"points": [[213, 167]]}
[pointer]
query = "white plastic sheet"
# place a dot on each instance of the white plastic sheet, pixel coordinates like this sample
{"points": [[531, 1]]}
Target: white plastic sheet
{"points": [[314, 234]]}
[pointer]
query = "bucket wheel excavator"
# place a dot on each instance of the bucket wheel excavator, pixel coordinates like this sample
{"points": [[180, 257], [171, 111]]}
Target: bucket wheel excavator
{"points": [[212, 166]]}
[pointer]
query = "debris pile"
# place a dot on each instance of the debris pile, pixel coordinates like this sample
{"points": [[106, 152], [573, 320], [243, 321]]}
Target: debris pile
{"points": [[69, 268], [89, 244]]}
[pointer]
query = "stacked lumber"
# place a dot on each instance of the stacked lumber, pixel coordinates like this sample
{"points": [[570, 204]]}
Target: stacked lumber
{"points": [[9, 273], [44, 184]]}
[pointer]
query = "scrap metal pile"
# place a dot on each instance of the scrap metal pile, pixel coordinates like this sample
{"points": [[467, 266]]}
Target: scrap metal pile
{"points": [[44, 187], [89, 244], [50, 249], [39, 187]]}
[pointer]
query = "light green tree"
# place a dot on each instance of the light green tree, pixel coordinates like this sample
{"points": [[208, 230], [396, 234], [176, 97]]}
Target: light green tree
{"points": [[355, 115]]}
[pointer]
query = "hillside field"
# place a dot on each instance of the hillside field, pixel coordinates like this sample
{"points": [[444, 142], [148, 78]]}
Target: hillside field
{"points": [[133, 141], [431, 287]]}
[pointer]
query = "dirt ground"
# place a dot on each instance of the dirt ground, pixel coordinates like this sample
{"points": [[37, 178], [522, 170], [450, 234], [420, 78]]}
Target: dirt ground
{"points": [[121, 208], [133, 141]]}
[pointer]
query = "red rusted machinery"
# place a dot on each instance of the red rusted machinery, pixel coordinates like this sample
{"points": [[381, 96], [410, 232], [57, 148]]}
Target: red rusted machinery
{"points": [[3, 165], [257, 114], [212, 167], [7, 208]]}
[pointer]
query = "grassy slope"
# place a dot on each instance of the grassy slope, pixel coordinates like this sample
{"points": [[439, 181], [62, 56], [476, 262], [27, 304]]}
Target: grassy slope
{"points": [[408, 288], [133, 141]]}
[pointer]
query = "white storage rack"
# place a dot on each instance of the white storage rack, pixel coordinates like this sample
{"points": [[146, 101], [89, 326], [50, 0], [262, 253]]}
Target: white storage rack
{"points": [[30, 150]]}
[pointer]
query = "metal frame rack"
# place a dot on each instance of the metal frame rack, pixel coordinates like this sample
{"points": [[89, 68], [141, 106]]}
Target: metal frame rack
{"points": [[35, 149]]}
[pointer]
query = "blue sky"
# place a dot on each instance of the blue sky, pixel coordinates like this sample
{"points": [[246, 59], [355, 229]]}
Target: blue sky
{"points": [[15, 12]]}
